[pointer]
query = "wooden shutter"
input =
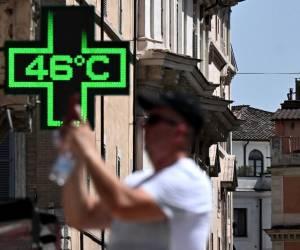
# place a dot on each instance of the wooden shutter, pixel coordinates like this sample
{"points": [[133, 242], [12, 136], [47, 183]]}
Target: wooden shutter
{"points": [[105, 7], [4, 169]]}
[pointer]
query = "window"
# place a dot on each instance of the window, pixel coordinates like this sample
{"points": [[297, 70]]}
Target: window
{"points": [[162, 18], [118, 169], [222, 26], [152, 18], [177, 27], [217, 27], [120, 15], [118, 163], [292, 125], [240, 222], [201, 36], [105, 7], [255, 162], [5, 169], [103, 149], [170, 24], [228, 33], [229, 206], [184, 8], [195, 30]]}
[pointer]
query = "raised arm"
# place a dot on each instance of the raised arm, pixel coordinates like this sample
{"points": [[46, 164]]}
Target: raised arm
{"points": [[81, 209], [123, 202]]}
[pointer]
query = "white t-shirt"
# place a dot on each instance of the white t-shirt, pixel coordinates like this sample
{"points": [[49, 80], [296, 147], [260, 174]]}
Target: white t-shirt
{"points": [[183, 192]]}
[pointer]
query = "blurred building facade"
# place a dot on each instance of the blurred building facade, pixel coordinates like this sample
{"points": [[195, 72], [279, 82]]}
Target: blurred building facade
{"points": [[252, 199], [28, 152], [176, 44], [186, 45], [285, 167]]}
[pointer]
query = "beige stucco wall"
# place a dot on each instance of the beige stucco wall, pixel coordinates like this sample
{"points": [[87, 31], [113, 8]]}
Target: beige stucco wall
{"points": [[15, 24], [118, 112], [218, 218], [127, 17]]}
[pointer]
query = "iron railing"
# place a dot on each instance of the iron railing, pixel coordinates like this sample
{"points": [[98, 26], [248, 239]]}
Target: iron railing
{"points": [[286, 145], [285, 151]]}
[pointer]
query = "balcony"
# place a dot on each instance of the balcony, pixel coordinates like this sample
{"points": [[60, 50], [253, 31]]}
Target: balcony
{"points": [[250, 184], [285, 151]]}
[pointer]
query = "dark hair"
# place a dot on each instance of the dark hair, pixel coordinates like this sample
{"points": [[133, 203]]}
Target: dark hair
{"points": [[183, 103]]}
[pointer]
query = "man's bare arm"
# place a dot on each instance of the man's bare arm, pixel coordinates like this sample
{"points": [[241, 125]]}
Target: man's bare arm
{"points": [[82, 210], [123, 202]]}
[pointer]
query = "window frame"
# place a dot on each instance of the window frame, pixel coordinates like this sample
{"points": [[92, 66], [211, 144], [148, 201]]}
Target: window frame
{"points": [[255, 156], [120, 16], [118, 163], [7, 161]]}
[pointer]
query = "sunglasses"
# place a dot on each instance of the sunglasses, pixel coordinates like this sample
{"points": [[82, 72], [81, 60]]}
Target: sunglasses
{"points": [[153, 119]]}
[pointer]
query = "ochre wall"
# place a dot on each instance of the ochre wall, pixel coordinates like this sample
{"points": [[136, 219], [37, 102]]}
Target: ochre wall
{"points": [[291, 245], [291, 186]]}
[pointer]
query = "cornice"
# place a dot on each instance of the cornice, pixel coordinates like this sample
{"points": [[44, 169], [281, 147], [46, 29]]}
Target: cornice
{"points": [[227, 77], [292, 234], [159, 69], [171, 66], [216, 57]]}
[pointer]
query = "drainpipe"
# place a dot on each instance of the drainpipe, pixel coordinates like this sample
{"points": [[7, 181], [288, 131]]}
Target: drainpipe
{"points": [[226, 217], [135, 3], [9, 119], [245, 147], [260, 224], [102, 97], [102, 110]]}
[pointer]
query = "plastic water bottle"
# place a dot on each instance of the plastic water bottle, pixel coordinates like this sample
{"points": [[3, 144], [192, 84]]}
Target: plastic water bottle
{"points": [[65, 163], [62, 168]]}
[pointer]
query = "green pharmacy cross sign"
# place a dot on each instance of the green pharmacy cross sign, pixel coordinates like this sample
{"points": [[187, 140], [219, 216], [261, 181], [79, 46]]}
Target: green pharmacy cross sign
{"points": [[66, 61]]}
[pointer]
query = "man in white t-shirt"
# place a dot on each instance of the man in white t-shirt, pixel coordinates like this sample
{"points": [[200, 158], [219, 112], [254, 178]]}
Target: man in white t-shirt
{"points": [[167, 208]]}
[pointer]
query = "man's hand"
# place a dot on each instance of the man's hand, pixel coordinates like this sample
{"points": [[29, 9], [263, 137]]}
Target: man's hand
{"points": [[82, 142], [121, 201], [79, 139]]}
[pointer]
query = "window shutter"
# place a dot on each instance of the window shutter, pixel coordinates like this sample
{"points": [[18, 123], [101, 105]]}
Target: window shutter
{"points": [[4, 169], [105, 7], [120, 16], [195, 45], [104, 10]]}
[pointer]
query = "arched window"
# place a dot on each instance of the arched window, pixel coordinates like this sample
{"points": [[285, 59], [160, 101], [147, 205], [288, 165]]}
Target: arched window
{"points": [[256, 162]]}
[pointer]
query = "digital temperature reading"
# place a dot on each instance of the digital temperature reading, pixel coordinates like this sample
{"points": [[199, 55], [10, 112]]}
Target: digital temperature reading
{"points": [[65, 62]]}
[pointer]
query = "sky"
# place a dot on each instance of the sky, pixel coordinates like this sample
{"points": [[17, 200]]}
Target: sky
{"points": [[265, 36]]}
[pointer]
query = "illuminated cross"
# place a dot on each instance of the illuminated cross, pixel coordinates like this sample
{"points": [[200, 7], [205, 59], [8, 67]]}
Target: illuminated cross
{"points": [[67, 61]]}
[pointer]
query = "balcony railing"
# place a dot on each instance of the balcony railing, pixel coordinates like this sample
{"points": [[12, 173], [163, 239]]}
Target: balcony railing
{"points": [[285, 150], [251, 171], [286, 145], [245, 171], [290, 145]]}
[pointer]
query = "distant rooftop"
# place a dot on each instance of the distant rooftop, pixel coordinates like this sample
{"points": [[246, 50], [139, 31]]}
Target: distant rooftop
{"points": [[287, 114], [256, 126]]}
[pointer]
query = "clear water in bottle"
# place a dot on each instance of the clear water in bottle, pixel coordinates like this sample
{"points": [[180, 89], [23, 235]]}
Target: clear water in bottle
{"points": [[62, 168], [63, 165]]}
